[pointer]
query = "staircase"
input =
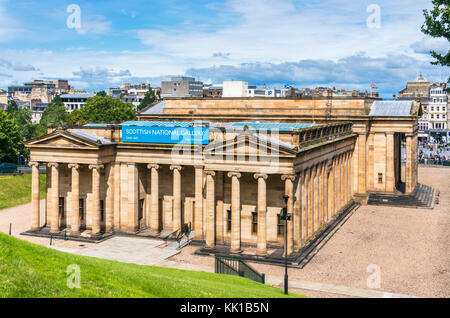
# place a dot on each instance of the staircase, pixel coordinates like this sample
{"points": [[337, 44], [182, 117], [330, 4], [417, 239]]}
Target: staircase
{"points": [[423, 197], [182, 239]]}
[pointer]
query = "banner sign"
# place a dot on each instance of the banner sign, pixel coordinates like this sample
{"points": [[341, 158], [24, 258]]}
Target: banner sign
{"points": [[166, 135]]}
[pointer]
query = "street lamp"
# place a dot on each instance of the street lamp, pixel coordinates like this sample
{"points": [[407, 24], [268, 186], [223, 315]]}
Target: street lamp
{"points": [[286, 216]]}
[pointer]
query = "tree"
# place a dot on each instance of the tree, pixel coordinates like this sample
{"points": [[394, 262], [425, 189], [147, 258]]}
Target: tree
{"points": [[12, 107], [103, 109], [437, 26], [55, 113], [149, 99], [10, 138], [101, 93]]}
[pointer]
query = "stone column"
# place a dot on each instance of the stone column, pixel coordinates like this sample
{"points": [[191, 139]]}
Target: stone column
{"points": [[298, 213], [176, 197], [329, 170], [325, 194], [154, 201], [75, 218], [362, 186], [109, 198], [316, 198], [321, 195], [344, 179], [289, 190], [341, 189], [198, 207], [261, 247], [54, 200], [305, 202], [35, 212], [311, 202], [409, 164], [336, 185], [210, 209], [235, 212], [132, 194], [96, 227]]}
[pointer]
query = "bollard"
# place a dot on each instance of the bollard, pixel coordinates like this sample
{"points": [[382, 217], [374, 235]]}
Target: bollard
{"points": [[65, 235], [10, 225], [51, 238]]}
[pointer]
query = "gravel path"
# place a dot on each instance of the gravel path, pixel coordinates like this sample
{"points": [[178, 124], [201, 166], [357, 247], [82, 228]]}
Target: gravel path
{"points": [[410, 246]]}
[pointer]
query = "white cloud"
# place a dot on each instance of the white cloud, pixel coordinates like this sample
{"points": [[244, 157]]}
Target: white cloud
{"points": [[277, 31], [427, 44], [93, 25]]}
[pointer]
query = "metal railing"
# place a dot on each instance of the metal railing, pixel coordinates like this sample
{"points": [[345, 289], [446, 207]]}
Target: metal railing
{"points": [[236, 266]]}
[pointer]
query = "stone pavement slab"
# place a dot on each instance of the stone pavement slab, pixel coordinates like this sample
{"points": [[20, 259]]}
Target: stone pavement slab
{"points": [[141, 251]]}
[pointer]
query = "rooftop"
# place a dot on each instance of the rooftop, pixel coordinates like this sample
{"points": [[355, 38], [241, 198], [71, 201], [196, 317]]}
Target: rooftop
{"points": [[391, 108]]}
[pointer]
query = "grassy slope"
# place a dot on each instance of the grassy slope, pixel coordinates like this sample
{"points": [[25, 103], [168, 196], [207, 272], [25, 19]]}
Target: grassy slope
{"points": [[29, 270], [16, 190]]}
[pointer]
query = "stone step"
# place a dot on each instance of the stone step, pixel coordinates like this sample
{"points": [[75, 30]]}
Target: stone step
{"points": [[422, 197]]}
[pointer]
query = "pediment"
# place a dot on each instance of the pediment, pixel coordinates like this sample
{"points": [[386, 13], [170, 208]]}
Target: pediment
{"points": [[62, 139], [250, 144]]}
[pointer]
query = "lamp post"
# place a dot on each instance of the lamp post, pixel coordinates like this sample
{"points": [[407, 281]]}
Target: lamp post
{"points": [[286, 216]]}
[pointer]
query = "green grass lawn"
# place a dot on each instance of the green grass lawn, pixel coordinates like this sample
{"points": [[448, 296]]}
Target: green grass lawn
{"points": [[30, 270], [16, 190]]}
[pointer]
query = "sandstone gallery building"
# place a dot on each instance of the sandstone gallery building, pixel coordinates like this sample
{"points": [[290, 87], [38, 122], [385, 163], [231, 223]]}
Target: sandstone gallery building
{"points": [[222, 166]]}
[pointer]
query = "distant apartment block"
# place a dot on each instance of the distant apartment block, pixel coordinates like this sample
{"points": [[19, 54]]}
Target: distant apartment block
{"points": [[75, 101], [435, 105], [212, 91], [182, 86], [133, 94]]}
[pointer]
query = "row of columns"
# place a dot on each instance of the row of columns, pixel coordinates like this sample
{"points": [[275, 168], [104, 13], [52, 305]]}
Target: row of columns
{"points": [[322, 190], [53, 197], [261, 246]]}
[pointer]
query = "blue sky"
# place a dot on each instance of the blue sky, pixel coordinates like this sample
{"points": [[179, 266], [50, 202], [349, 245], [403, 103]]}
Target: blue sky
{"points": [[302, 43]]}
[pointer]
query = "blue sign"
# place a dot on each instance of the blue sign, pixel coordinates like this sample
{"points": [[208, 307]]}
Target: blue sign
{"points": [[166, 135]]}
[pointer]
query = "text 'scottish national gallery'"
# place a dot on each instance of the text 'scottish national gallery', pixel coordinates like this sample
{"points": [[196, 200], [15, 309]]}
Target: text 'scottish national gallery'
{"points": [[223, 166]]}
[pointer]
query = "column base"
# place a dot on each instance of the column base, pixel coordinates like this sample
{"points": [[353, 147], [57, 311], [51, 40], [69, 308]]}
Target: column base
{"points": [[154, 232], [35, 229], [361, 198], [261, 252], [235, 250], [53, 231], [74, 233]]}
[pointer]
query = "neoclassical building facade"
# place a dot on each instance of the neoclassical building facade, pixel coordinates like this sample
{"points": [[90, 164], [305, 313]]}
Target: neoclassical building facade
{"points": [[228, 184]]}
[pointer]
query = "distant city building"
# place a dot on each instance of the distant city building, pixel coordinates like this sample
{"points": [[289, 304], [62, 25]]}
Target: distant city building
{"points": [[212, 91], [133, 94], [235, 89], [3, 99], [37, 110], [434, 99], [75, 101], [182, 86]]}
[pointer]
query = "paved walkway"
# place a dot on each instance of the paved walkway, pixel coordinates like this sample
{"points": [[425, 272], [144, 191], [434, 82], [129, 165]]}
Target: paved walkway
{"points": [[127, 249]]}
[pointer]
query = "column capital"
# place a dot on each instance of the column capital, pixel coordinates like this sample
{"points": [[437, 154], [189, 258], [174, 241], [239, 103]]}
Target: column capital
{"points": [[53, 164], [74, 166], [33, 164], [199, 167], [285, 177], [176, 168], [210, 173], [97, 167], [234, 174], [153, 166], [260, 175]]}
